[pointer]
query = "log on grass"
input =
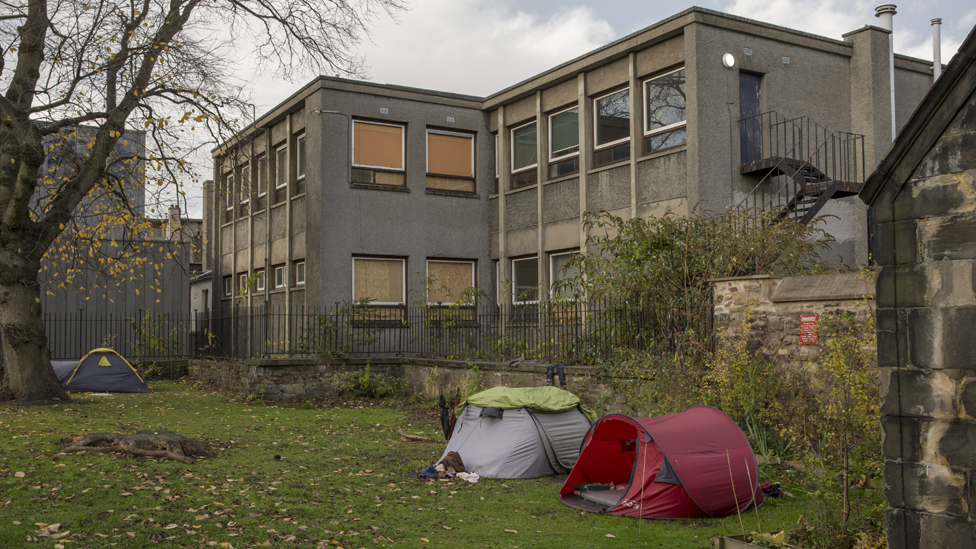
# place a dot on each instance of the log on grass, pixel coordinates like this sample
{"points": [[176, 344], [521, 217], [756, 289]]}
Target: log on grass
{"points": [[157, 444]]}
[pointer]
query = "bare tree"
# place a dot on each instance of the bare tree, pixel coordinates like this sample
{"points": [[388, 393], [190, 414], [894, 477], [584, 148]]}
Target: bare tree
{"points": [[163, 67]]}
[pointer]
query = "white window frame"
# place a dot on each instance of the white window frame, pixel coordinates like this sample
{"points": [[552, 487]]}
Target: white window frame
{"points": [[242, 283], [498, 159], [300, 156], [229, 182], [565, 156], [511, 136], [245, 188], [300, 273], [669, 127], [279, 269], [260, 280], [281, 165], [229, 286], [552, 270], [596, 118], [403, 146], [453, 134], [515, 281], [403, 274], [473, 273], [263, 172]]}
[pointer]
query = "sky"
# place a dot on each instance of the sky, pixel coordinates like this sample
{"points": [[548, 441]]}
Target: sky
{"points": [[479, 47]]}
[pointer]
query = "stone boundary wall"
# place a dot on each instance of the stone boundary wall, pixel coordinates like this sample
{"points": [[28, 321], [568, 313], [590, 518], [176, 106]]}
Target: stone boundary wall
{"points": [[773, 305], [311, 377]]}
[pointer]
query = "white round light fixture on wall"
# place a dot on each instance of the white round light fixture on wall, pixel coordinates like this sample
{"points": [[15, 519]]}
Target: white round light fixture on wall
{"points": [[728, 60]]}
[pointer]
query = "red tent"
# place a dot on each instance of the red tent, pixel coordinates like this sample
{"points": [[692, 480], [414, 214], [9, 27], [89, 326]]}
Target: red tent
{"points": [[694, 464]]}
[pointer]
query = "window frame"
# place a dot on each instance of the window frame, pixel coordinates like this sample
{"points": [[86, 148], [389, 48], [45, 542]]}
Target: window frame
{"points": [[474, 281], [300, 157], [663, 129], [242, 283], [300, 270], [229, 191], [564, 157], [512, 147], [468, 136], [229, 286], [596, 118], [281, 165], [259, 282], [403, 278], [553, 271], [245, 188], [403, 146], [262, 174], [515, 282], [279, 270]]}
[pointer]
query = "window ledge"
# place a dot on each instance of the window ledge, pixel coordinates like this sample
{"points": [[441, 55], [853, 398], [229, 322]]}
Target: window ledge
{"points": [[609, 167], [279, 205], [299, 195], [664, 152], [574, 175], [457, 194], [375, 187], [521, 189]]}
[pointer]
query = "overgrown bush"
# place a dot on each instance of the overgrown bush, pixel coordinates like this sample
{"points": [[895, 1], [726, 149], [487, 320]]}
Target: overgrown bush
{"points": [[366, 384]]}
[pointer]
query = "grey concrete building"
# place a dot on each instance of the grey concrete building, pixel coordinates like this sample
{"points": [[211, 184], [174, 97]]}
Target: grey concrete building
{"points": [[701, 109], [350, 191], [923, 198]]}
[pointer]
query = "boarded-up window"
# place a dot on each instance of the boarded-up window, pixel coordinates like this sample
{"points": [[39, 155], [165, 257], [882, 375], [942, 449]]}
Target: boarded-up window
{"points": [[378, 280], [450, 161], [449, 280], [378, 146]]}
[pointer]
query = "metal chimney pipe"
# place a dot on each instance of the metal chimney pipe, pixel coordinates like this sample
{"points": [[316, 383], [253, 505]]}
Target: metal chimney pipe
{"points": [[885, 12], [936, 49]]}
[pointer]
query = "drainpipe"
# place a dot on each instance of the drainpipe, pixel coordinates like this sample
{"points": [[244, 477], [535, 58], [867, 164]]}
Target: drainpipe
{"points": [[936, 49], [885, 12]]}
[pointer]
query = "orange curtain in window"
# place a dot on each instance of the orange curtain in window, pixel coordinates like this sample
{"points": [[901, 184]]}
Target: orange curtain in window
{"points": [[379, 280], [449, 280], [378, 146], [450, 155]]}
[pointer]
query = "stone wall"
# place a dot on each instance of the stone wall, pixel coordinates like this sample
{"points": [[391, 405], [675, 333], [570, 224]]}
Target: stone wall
{"points": [[282, 378], [774, 305]]}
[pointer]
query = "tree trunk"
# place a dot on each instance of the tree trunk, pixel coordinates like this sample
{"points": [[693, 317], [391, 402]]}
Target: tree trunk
{"points": [[29, 374]]}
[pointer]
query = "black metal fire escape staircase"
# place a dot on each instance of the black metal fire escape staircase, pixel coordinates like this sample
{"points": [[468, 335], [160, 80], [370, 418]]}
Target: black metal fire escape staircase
{"points": [[801, 165]]}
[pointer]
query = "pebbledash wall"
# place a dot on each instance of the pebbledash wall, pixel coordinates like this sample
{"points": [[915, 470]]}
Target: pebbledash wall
{"points": [[774, 307]]}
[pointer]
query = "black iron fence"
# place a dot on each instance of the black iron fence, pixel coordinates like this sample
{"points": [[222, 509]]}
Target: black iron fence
{"points": [[564, 332], [554, 332]]}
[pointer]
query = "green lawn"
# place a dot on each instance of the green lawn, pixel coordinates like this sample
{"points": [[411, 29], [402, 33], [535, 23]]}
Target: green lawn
{"points": [[343, 482]]}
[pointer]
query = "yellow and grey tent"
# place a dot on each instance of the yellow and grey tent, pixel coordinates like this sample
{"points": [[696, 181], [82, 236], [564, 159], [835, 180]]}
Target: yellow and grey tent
{"points": [[101, 370]]}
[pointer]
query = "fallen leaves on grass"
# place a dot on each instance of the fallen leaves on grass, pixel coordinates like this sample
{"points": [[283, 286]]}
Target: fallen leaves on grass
{"points": [[511, 531]]}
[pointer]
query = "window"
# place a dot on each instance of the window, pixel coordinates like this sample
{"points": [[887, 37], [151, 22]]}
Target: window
{"points": [[524, 155], [300, 166], [245, 184], [242, 282], [379, 280], [498, 164], [279, 276], [525, 280], [262, 177], [449, 280], [281, 174], [229, 191], [228, 286], [300, 273], [378, 153], [259, 275], [611, 127], [559, 271], [665, 113], [450, 161], [564, 142]]}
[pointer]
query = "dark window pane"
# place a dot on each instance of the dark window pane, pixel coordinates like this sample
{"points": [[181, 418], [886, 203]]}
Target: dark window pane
{"points": [[526, 279], [523, 179], [565, 133], [611, 155], [613, 117], [523, 147], [566, 167]]}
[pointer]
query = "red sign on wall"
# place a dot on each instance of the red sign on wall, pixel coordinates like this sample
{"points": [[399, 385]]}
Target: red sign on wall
{"points": [[808, 329]]}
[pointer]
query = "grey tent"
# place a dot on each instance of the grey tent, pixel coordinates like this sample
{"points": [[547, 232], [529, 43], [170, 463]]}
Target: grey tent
{"points": [[101, 370], [519, 432]]}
